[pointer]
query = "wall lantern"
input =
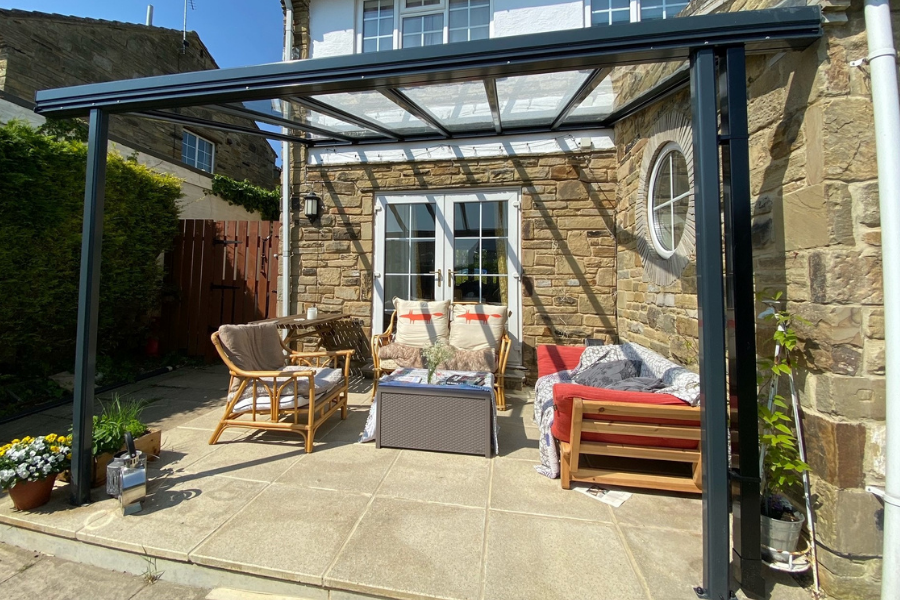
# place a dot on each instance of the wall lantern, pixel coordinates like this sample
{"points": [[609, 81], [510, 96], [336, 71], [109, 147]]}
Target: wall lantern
{"points": [[311, 206]]}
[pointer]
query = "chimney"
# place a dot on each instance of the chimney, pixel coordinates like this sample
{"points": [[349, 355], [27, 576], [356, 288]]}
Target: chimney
{"points": [[149, 15]]}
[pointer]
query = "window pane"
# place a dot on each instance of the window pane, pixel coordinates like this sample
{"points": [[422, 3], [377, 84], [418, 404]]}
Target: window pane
{"points": [[662, 191], [493, 256], [396, 256], [651, 13], [434, 39], [621, 16], [536, 99], [412, 25], [394, 286], [458, 106], [458, 35], [422, 220], [373, 106], [480, 33], [397, 221], [458, 18], [465, 257], [494, 216], [680, 218], [663, 226], [370, 45], [412, 41], [433, 22], [493, 290], [682, 183], [423, 288], [480, 16], [467, 288], [466, 220], [421, 257]]}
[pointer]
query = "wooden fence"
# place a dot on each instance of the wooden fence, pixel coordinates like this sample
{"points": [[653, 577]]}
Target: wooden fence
{"points": [[219, 272]]}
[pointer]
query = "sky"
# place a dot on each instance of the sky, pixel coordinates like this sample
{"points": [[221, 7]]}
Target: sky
{"points": [[236, 32]]}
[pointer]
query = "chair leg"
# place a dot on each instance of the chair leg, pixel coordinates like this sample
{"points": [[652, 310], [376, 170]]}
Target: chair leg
{"points": [[565, 475], [344, 404], [308, 438], [218, 432]]}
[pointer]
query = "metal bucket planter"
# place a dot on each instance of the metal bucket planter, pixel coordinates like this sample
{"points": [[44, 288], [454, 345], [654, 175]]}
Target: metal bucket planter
{"points": [[781, 536]]}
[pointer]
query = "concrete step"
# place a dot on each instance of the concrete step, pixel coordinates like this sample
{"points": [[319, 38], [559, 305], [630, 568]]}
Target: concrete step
{"points": [[235, 594]]}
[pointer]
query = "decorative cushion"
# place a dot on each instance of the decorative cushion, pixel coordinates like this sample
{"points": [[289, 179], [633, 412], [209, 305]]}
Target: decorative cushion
{"points": [[254, 347], [638, 384], [478, 326], [603, 374], [421, 324], [325, 380], [401, 355], [483, 361]]}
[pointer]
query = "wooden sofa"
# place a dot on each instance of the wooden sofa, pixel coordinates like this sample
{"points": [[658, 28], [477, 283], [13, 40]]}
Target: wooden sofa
{"points": [[383, 367], [631, 425]]}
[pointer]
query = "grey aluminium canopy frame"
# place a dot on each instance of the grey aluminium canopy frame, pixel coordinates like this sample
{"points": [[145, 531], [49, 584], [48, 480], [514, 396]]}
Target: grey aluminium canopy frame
{"points": [[715, 45]]}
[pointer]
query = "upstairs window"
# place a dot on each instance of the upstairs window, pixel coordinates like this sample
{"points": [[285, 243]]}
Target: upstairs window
{"points": [[610, 12], [469, 20], [378, 25], [197, 152], [424, 30]]}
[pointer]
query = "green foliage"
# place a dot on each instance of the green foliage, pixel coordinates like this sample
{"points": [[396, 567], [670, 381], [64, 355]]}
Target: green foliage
{"points": [[435, 355], [252, 197], [782, 464], [41, 212], [110, 425]]}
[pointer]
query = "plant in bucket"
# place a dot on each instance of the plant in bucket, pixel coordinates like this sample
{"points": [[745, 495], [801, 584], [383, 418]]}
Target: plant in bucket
{"points": [[28, 468], [781, 456], [435, 356]]}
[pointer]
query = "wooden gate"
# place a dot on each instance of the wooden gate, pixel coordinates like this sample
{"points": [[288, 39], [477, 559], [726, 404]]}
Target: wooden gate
{"points": [[219, 272]]}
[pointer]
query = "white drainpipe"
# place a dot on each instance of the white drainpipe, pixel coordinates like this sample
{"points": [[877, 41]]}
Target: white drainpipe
{"points": [[883, 67], [286, 175]]}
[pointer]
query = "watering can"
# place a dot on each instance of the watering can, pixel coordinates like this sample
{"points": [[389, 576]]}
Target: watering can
{"points": [[126, 477]]}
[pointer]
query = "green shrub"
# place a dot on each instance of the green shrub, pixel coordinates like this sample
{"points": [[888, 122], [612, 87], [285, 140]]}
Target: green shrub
{"points": [[250, 196], [41, 212]]}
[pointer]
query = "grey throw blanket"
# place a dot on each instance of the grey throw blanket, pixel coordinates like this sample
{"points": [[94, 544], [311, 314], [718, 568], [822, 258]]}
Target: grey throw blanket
{"points": [[637, 384]]}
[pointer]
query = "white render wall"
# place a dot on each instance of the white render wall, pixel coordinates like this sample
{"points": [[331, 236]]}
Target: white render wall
{"points": [[333, 24]]}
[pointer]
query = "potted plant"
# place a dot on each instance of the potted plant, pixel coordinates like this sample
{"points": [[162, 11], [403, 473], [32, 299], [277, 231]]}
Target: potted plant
{"points": [[28, 468], [781, 521]]}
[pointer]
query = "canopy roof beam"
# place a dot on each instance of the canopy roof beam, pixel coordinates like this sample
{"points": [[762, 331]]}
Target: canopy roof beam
{"points": [[414, 109], [331, 111], [589, 85], [254, 115], [490, 88], [157, 115]]}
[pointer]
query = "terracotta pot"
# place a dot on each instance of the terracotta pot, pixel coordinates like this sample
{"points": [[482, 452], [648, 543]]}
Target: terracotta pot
{"points": [[27, 495]]}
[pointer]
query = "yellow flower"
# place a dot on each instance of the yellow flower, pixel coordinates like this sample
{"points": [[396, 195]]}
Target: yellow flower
{"points": [[54, 448], [15, 441], [51, 437], [69, 456]]}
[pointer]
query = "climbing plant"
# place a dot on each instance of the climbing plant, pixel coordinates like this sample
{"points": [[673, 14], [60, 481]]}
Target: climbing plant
{"points": [[252, 197]]}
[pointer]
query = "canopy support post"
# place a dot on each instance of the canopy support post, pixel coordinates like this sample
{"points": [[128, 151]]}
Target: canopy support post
{"points": [[88, 307], [711, 309], [740, 306]]}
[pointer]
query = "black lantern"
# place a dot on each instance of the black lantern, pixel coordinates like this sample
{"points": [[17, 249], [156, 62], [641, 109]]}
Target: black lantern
{"points": [[311, 206]]}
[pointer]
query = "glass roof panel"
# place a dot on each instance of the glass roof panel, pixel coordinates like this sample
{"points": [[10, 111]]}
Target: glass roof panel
{"points": [[597, 105], [305, 116], [457, 106], [529, 100], [374, 107]]}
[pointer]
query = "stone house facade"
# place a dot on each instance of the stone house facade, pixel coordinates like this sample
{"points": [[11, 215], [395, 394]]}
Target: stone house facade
{"points": [[42, 51], [588, 267]]}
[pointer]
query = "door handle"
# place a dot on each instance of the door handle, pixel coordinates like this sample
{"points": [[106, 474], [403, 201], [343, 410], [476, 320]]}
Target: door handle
{"points": [[449, 277], [437, 275]]}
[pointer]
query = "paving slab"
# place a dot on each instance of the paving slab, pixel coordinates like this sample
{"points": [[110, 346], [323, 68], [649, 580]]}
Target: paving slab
{"points": [[178, 514], [34, 425], [286, 532], [414, 549], [163, 590], [661, 509], [250, 459], [439, 477], [206, 419], [349, 467], [517, 487], [532, 558], [54, 579], [14, 560], [518, 441], [58, 516], [671, 561]]}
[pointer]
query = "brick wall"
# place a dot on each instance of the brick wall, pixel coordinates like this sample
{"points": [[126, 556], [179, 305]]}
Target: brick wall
{"points": [[48, 51], [568, 249]]}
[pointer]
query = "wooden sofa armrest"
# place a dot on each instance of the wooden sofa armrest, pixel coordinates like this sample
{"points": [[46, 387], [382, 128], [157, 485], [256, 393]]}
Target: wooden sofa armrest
{"points": [[323, 358], [382, 339]]}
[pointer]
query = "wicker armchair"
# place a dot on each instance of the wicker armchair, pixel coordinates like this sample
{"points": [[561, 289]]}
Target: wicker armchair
{"points": [[298, 397], [382, 367]]}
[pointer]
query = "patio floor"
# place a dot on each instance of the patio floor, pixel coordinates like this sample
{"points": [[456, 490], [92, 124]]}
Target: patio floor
{"points": [[351, 519]]}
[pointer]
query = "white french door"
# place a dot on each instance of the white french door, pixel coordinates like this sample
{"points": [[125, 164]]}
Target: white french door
{"points": [[454, 246]]}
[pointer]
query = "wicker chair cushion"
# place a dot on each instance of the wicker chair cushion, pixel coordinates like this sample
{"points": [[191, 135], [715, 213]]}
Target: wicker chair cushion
{"points": [[421, 324], [478, 326], [401, 355], [484, 361], [254, 347], [325, 380]]}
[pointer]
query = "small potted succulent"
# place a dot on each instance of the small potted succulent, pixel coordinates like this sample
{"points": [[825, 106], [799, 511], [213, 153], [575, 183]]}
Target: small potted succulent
{"points": [[28, 468]]}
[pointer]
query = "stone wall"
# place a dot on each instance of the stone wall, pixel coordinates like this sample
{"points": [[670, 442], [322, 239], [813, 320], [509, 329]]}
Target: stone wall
{"points": [[47, 51], [816, 238], [568, 249]]}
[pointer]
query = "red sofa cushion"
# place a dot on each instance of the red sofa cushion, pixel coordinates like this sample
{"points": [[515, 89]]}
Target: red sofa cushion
{"points": [[564, 393], [552, 359]]}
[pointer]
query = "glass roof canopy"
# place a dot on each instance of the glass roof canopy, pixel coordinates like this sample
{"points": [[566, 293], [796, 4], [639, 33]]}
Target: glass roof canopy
{"points": [[546, 82]]}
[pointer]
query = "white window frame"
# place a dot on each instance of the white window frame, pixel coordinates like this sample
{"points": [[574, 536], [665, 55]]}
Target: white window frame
{"points": [[212, 157], [635, 12], [400, 11], [661, 156]]}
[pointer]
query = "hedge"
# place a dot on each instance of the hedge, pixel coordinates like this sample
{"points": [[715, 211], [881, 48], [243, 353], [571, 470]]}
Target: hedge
{"points": [[41, 212], [252, 197]]}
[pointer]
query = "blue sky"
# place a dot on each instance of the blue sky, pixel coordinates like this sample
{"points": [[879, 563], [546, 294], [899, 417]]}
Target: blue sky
{"points": [[236, 32]]}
